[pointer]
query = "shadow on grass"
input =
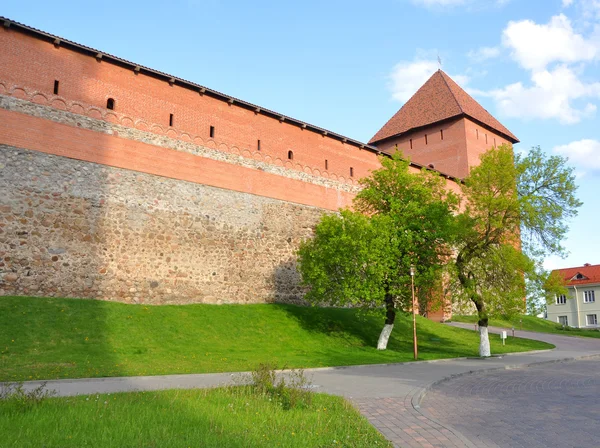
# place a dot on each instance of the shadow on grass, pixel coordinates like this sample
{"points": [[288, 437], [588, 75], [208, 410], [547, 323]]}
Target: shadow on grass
{"points": [[365, 326]]}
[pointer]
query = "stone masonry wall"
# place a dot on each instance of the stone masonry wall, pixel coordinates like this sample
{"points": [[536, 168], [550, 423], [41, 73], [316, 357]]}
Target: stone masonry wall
{"points": [[70, 228]]}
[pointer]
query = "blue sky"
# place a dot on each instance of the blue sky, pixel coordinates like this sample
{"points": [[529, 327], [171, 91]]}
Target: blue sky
{"points": [[348, 66]]}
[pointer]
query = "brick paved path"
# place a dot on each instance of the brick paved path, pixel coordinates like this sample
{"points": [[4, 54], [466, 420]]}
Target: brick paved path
{"points": [[553, 405]]}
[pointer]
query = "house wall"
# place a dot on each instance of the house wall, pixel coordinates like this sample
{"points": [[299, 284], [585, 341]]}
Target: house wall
{"points": [[576, 306]]}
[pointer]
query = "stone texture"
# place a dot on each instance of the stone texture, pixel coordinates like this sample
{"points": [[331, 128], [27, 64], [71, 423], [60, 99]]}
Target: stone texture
{"points": [[76, 229]]}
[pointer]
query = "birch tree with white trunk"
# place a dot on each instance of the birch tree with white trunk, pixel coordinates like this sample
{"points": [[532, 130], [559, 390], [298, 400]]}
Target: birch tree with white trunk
{"points": [[516, 209], [362, 258]]}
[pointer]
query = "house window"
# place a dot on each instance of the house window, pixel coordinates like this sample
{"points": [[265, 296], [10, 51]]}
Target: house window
{"points": [[351, 172], [56, 87], [110, 104], [425, 138], [563, 320], [290, 155], [171, 120], [410, 143], [561, 299], [588, 296], [591, 319], [326, 164], [258, 145], [442, 134], [212, 132]]}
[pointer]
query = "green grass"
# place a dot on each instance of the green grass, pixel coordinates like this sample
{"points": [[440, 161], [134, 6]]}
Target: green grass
{"points": [[225, 417], [532, 323], [49, 338]]}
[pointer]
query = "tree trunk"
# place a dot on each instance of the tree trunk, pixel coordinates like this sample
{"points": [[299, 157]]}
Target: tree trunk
{"points": [[390, 317], [484, 340], [484, 343]]}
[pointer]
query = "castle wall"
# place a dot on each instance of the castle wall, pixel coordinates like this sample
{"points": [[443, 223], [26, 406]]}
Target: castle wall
{"points": [[479, 140], [451, 147], [30, 66], [70, 228], [121, 205]]}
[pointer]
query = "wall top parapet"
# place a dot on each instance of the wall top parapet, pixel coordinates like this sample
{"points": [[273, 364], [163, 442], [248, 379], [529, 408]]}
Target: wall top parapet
{"points": [[58, 41]]}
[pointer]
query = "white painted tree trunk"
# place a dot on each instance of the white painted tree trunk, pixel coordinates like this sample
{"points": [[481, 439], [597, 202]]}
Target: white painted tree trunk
{"points": [[384, 336], [484, 342]]}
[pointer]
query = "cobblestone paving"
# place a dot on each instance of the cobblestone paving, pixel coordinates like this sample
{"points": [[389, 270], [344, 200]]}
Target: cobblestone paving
{"points": [[552, 405]]}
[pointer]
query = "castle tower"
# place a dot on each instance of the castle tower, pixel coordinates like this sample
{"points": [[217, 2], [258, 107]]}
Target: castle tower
{"points": [[443, 127]]}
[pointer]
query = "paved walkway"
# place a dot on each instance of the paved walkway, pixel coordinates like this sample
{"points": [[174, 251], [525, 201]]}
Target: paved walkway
{"points": [[544, 406], [388, 395]]}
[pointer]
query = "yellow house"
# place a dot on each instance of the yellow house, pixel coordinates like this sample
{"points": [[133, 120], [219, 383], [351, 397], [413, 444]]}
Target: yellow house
{"points": [[578, 308]]}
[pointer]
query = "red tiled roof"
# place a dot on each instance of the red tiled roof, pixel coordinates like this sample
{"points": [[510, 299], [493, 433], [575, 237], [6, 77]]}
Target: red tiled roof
{"points": [[440, 98], [591, 272]]}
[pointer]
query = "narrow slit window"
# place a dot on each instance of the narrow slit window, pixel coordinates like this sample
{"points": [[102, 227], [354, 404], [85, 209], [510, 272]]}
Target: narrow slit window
{"points": [[171, 120], [326, 164], [410, 143], [290, 155], [351, 172], [486, 139], [442, 134], [258, 145], [212, 132], [477, 132], [425, 138], [110, 104], [56, 86]]}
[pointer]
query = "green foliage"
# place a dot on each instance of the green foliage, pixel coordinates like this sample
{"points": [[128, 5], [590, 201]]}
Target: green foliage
{"points": [[546, 191], [363, 258], [349, 260], [50, 338], [507, 198]]}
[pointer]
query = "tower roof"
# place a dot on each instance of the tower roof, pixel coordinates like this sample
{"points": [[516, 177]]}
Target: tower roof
{"points": [[440, 98]]}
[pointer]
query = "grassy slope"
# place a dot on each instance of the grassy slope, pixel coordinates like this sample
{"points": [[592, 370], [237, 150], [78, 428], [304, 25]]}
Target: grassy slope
{"points": [[69, 338], [532, 323], [226, 417]]}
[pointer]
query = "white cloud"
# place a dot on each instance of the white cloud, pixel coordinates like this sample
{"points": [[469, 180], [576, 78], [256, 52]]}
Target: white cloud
{"points": [[407, 77], [552, 95], [584, 153], [483, 53], [550, 52], [534, 46], [589, 9]]}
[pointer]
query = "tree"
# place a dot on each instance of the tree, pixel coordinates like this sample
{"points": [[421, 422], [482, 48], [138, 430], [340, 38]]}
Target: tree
{"points": [[515, 212], [363, 257]]}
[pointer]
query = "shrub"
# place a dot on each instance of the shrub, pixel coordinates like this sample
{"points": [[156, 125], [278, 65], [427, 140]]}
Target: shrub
{"points": [[288, 389], [21, 400]]}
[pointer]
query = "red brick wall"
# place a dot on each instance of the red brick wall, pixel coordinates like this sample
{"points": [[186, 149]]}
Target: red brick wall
{"points": [[479, 140], [447, 154], [29, 66], [463, 143]]}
